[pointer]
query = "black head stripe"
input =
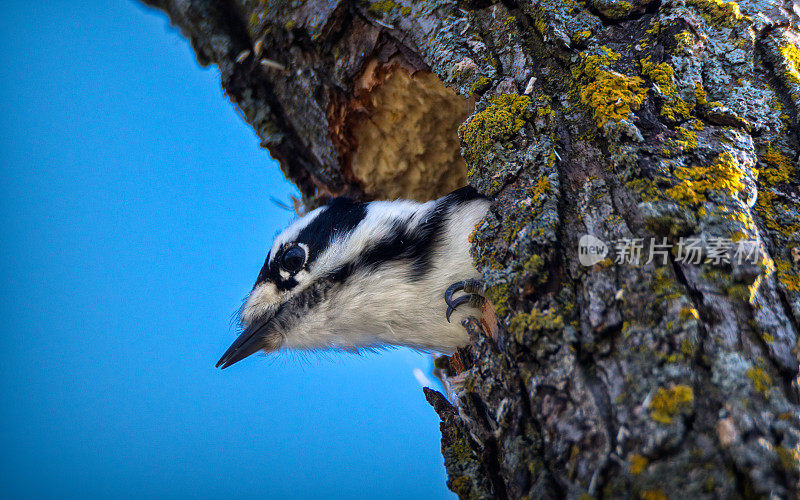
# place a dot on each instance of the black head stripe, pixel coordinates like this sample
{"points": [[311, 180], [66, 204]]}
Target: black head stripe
{"points": [[339, 216], [410, 242]]}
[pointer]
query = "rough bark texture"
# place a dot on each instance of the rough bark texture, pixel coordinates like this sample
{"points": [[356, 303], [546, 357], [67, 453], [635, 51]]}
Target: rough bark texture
{"points": [[620, 119]]}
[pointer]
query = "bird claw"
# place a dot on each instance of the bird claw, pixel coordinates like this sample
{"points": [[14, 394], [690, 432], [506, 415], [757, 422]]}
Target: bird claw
{"points": [[469, 287]]}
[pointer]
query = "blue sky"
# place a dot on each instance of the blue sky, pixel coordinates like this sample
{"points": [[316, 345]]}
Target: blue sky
{"points": [[136, 214]]}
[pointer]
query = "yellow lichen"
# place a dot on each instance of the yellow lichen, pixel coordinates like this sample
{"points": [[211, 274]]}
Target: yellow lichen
{"points": [[609, 95], [480, 85], [762, 381], [767, 206], [687, 348], [652, 495], [539, 189], [687, 313], [787, 276], [591, 64], [702, 97], [534, 267], [723, 175], [688, 138], [646, 190], [792, 56], [684, 40], [498, 296], [613, 96], [504, 116], [779, 167], [719, 12], [744, 292], [668, 403], [662, 75], [617, 9], [638, 464]]}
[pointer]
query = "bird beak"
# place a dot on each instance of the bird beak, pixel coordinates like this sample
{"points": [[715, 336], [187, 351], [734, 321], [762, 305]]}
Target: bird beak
{"points": [[257, 336]]}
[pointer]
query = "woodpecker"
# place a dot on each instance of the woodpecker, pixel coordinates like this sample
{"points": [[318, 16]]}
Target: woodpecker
{"points": [[354, 276]]}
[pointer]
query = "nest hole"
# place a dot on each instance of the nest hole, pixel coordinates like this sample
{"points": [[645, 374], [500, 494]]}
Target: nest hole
{"points": [[404, 134]]}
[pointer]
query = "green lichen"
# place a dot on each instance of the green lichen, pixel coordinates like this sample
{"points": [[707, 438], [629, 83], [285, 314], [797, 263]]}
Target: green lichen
{"points": [[461, 486], [688, 349], [534, 269], [500, 121], [498, 296], [536, 322], [789, 458], [615, 9], [694, 182], [743, 292], [405, 11], [481, 84], [668, 403], [383, 6]]}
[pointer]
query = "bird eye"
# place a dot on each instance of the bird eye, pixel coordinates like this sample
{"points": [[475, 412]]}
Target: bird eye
{"points": [[293, 259]]}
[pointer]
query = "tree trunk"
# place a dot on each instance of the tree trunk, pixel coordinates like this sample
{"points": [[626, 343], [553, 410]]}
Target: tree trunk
{"points": [[647, 123]]}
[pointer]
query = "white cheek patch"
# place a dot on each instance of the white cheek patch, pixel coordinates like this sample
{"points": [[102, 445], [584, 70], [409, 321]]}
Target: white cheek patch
{"points": [[263, 298], [302, 276]]}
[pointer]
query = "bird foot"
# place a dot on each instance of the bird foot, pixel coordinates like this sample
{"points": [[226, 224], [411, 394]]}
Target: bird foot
{"points": [[471, 288]]}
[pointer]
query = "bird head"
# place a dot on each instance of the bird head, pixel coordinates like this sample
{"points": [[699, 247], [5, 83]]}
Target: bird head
{"points": [[310, 260]]}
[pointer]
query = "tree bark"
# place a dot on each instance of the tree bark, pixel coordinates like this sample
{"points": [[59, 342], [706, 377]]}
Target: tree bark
{"points": [[669, 121]]}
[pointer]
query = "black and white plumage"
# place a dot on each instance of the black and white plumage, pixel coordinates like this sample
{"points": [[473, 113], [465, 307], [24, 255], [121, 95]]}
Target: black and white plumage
{"points": [[361, 275]]}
